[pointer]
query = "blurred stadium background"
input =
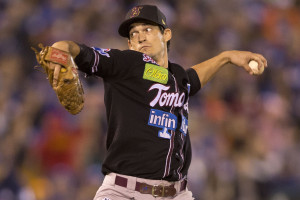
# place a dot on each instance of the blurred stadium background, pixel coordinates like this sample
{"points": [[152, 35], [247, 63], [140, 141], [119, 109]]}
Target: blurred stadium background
{"points": [[244, 129]]}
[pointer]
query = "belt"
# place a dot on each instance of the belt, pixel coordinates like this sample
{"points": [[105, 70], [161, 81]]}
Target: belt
{"points": [[154, 190]]}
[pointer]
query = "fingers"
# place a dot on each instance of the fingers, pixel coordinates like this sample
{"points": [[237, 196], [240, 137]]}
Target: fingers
{"points": [[242, 59], [262, 62], [56, 68], [245, 58], [248, 69], [244, 63]]}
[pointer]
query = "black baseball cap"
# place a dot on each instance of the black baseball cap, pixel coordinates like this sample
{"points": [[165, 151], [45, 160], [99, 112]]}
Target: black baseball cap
{"points": [[148, 13]]}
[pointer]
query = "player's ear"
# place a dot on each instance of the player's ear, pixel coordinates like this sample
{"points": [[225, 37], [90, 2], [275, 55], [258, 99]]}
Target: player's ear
{"points": [[129, 45], [167, 34]]}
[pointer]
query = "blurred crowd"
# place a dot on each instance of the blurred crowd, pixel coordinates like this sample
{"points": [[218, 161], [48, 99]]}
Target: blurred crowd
{"points": [[245, 130]]}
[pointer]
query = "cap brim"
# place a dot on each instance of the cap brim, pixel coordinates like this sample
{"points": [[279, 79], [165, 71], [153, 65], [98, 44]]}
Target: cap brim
{"points": [[124, 28]]}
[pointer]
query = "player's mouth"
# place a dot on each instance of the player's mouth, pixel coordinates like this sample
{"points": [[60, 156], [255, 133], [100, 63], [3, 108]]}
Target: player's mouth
{"points": [[144, 48]]}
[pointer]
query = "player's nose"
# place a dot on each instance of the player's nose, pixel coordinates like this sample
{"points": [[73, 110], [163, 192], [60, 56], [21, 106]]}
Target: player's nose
{"points": [[142, 37]]}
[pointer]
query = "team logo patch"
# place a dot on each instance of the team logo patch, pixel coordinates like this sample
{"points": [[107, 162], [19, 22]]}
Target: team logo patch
{"points": [[103, 52], [155, 73], [135, 11], [165, 120]]}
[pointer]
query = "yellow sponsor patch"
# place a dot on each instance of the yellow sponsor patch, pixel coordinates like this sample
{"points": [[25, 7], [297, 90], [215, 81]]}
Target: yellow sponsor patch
{"points": [[155, 73]]}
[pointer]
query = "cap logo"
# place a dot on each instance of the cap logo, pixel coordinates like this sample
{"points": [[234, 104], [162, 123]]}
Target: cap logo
{"points": [[164, 23], [135, 11]]}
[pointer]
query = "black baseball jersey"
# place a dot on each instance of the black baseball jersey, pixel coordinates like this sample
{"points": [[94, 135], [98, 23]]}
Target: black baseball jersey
{"points": [[147, 112]]}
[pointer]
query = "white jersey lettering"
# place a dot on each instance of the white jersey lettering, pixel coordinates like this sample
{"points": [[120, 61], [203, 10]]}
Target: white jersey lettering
{"points": [[165, 98]]}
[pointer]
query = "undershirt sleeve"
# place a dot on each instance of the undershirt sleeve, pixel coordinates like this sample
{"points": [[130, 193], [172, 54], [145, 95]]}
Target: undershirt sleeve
{"points": [[194, 81]]}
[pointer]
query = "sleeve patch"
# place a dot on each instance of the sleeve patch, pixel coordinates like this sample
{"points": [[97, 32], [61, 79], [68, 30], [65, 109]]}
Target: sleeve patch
{"points": [[103, 52]]}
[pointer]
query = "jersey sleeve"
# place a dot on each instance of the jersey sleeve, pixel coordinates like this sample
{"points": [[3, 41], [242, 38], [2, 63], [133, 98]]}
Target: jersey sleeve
{"points": [[195, 84], [105, 63]]}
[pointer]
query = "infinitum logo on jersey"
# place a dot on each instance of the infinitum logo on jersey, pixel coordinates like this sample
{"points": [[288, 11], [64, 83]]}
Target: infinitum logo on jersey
{"points": [[166, 121], [155, 73]]}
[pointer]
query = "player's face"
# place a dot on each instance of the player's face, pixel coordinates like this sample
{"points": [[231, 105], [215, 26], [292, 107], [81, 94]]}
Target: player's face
{"points": [[148, 39]]}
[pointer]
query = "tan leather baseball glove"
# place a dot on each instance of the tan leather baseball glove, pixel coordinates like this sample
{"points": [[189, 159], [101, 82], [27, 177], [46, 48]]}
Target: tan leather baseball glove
{"points": [[69, 88]]}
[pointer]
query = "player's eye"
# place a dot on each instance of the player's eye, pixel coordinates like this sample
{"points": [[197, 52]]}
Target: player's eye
{"points": [[133, 34], [148, 29]]}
